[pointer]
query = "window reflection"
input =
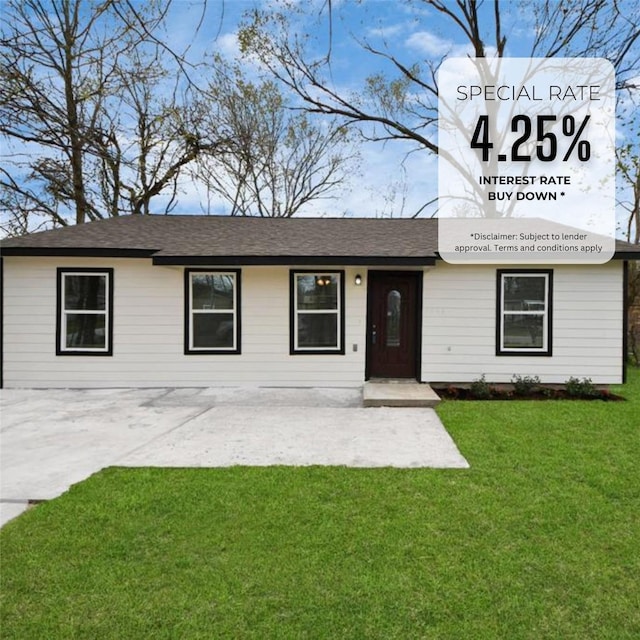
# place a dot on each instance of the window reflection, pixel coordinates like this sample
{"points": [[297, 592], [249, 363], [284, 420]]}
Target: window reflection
{"points": [[394, 301], [317, 310]]}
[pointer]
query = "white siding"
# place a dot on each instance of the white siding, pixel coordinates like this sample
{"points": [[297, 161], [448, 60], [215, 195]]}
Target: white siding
{"points": [[459, 326], [148, 331], [458, 341]]}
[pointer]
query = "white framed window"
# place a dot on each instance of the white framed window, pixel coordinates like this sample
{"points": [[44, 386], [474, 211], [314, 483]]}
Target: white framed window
{"points": [[317, 312], [524, 310], [85, 312], [212, 311]]}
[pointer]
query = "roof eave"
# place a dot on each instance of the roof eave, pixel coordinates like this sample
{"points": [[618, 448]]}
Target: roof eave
{"points": [[77, 252], [626, 255], [402, 261], [86, 252]]}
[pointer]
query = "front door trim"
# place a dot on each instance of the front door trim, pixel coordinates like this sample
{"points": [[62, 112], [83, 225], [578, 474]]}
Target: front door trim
{"points": [[418, 275]]}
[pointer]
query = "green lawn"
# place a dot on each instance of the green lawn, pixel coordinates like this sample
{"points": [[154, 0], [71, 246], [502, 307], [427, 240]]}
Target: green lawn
{"points": [[539, 539]]}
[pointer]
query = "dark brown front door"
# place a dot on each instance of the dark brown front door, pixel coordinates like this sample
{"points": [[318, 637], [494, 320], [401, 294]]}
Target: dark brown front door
{"points": [[392, 331]]}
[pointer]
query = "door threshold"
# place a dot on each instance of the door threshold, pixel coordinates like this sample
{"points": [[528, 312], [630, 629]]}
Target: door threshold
{"points": [[393, 381]]}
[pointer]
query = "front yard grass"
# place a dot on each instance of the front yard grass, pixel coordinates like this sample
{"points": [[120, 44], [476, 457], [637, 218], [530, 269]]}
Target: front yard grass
{"points": [[539, 539]]}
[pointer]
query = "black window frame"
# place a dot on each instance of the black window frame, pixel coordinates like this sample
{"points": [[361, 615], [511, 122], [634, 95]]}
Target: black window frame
{"points": [[188, 349], [544, 352], [297, 351], [89, 271]]}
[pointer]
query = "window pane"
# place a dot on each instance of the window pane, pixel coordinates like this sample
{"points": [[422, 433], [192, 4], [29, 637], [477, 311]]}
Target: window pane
{"points": [[317, 291], [394, 301], [84, 292], [524, 293], [85, 331], [213, 330], [212, 291], [317, 330], [523, 331]]}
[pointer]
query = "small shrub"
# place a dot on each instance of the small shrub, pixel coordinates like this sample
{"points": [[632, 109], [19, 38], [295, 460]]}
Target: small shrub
{"points": [[577, 388], [480, 389], [525, 385]]}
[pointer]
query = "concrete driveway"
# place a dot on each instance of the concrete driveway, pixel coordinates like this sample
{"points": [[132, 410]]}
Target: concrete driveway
{"points": [[51, 439]]}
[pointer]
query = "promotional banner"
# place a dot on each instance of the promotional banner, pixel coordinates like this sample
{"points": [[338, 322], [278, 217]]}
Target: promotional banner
{"points": [[526, 160]]}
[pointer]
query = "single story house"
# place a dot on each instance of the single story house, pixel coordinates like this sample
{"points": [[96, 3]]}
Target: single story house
{"points": [[150, 301]]}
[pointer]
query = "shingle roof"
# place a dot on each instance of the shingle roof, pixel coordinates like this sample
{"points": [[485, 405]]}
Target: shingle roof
{"points": [[181, 239], [208, 237]]}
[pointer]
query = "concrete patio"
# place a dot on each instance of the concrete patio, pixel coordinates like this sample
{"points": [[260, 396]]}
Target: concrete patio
{"points": [[51, 439]]}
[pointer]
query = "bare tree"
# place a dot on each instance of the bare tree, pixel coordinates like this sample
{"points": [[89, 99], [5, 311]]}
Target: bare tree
{"points": [[151, 138], [633, 311], [100, 117], [85, 135], [276, 161], [628, 166], [629, 170], [401, 103]]}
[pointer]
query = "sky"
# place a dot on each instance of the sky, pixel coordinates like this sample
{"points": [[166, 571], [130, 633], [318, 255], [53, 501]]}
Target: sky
{"points": [[393, 178]]}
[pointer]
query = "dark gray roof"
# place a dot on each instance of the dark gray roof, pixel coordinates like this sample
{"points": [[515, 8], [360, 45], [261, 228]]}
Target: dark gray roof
{"points": [[177, 239], [185, 238]]}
